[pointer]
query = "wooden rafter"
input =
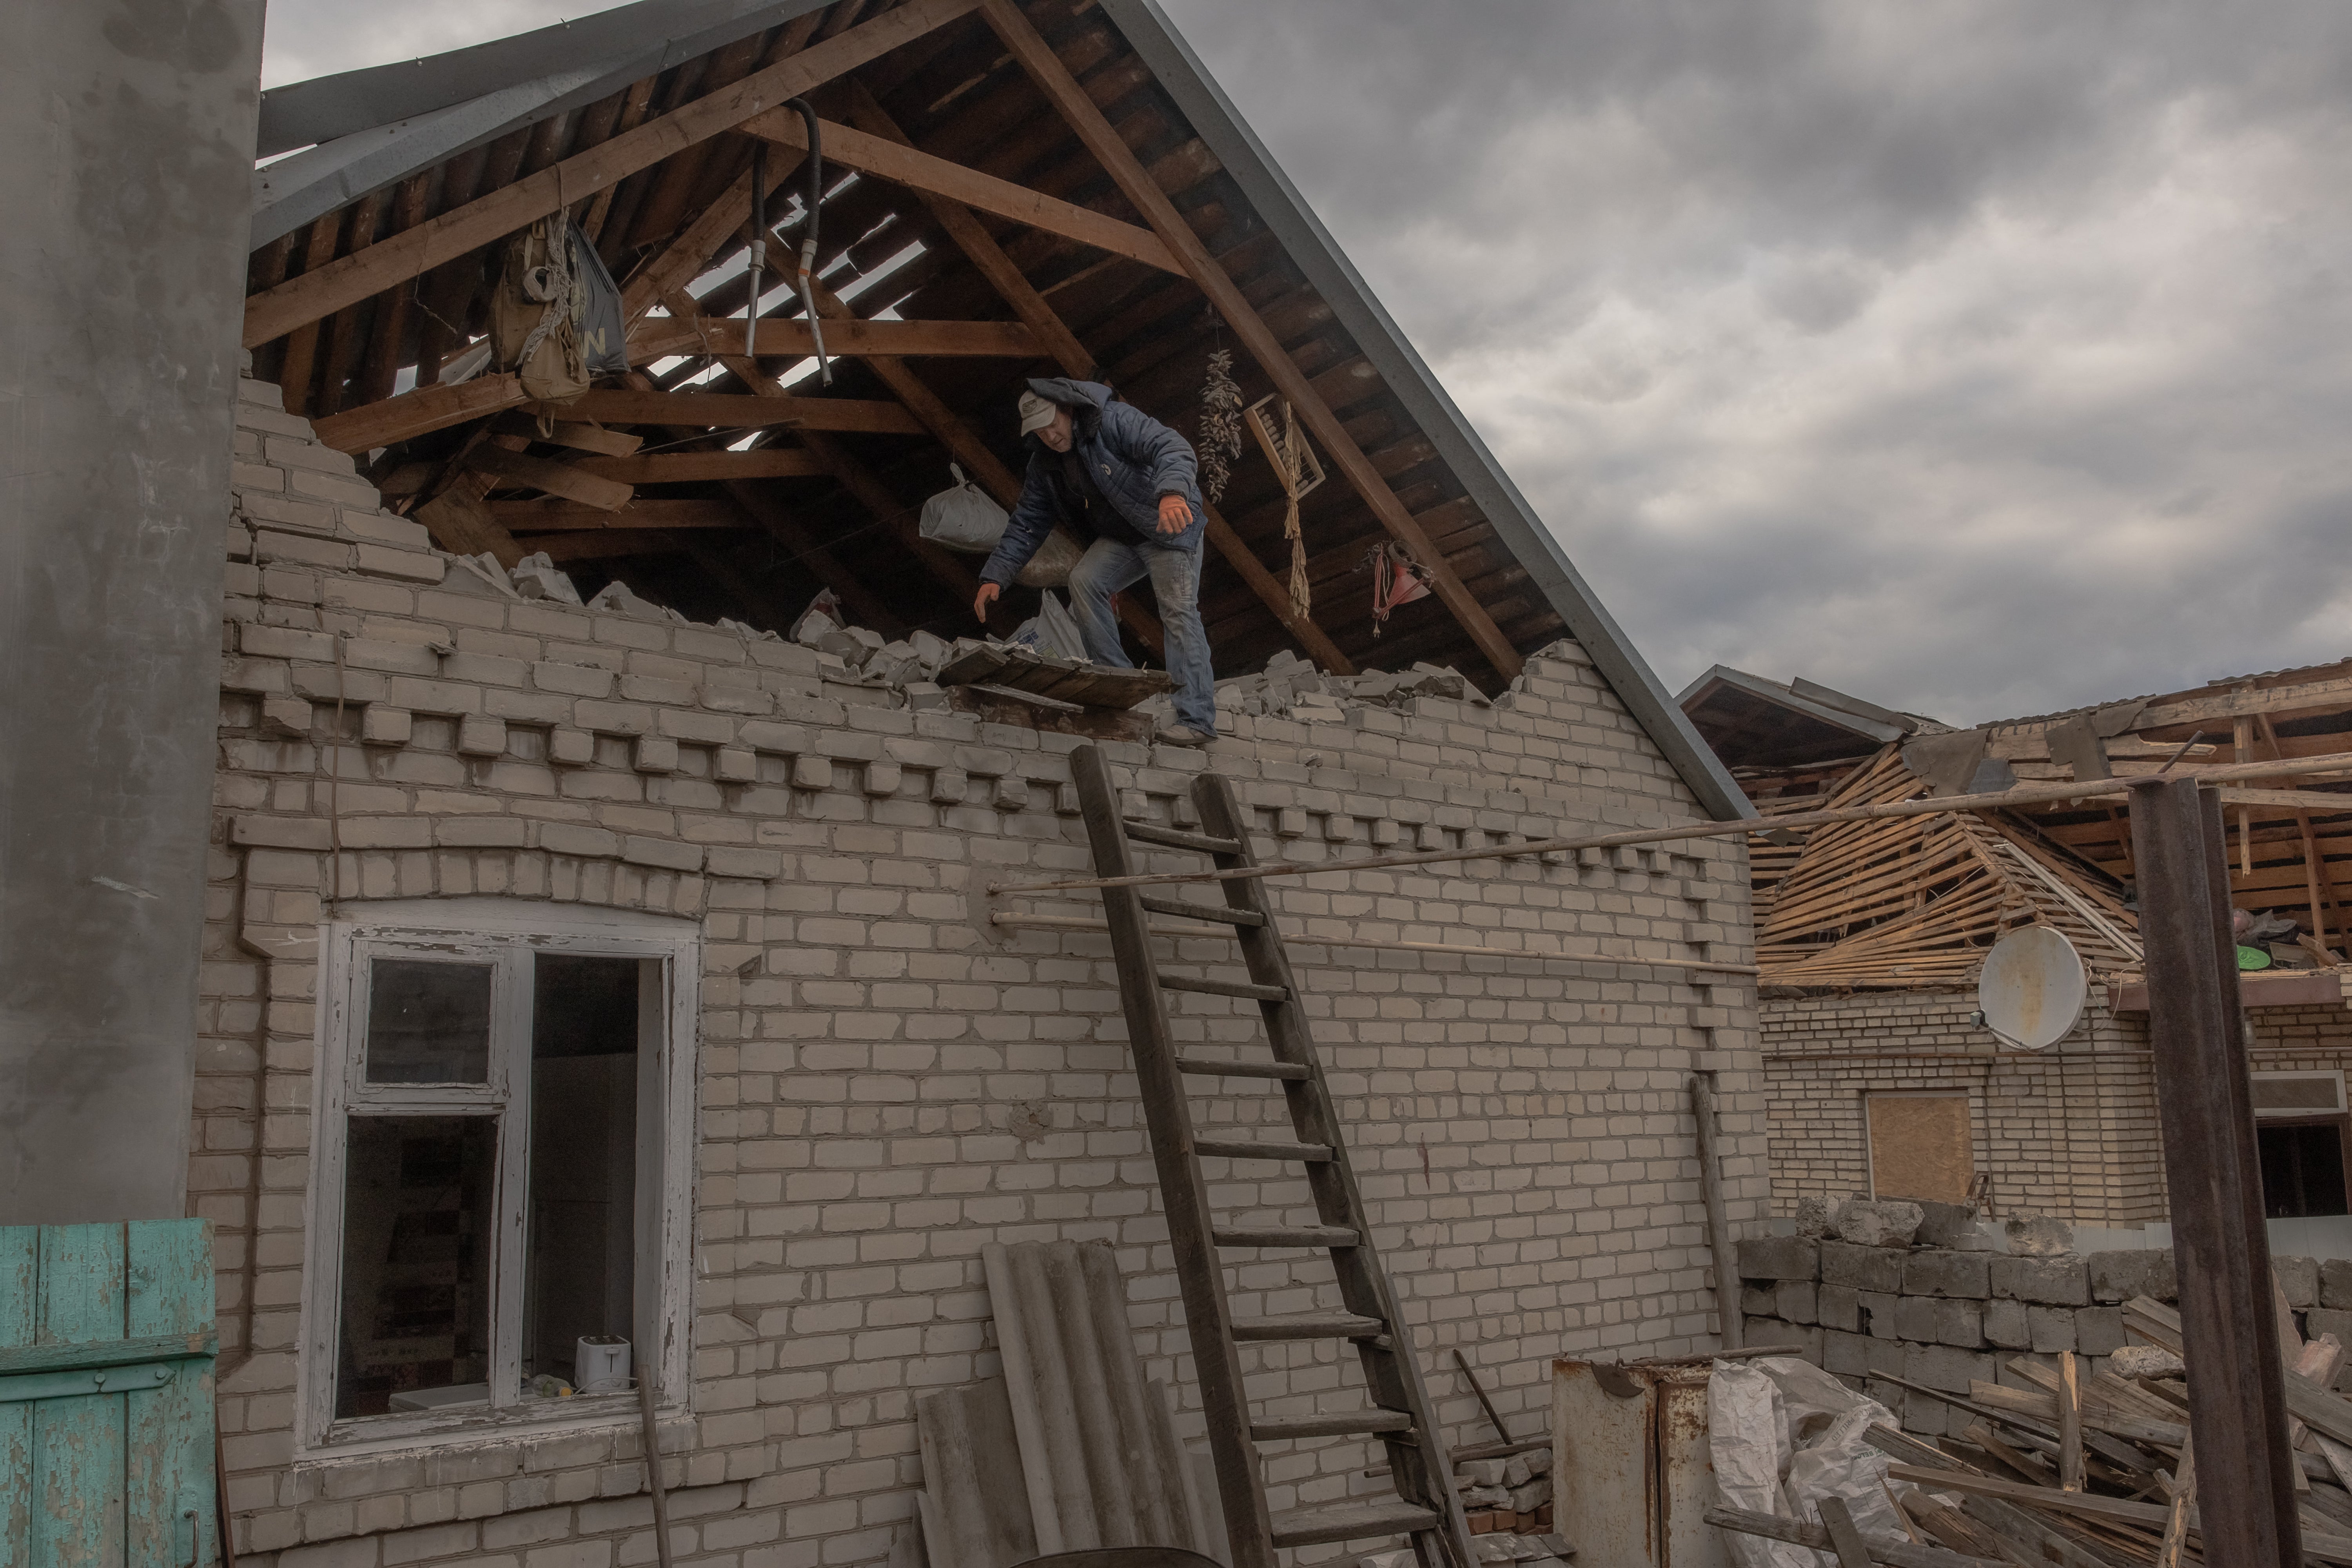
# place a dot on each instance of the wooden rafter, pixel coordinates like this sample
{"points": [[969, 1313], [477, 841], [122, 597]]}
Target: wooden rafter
{"points": [[658, 336], [1078, 109], [1046, 323], [691, 467], [732, 411], [332, 287], [904, 165]]}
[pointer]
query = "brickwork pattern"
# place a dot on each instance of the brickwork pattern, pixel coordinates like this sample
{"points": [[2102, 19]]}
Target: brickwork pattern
{"points": [[2072, 1132], [888, 1084]]}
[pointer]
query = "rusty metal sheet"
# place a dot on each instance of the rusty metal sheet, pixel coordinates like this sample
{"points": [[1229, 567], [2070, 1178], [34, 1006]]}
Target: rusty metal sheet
{"points": [[1604, 1460]]}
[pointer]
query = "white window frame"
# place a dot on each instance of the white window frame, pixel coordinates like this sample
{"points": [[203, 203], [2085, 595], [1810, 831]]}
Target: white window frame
{"points": [[506, 934]]}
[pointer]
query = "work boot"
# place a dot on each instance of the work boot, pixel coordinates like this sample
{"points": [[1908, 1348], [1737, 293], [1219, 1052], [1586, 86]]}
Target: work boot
{"points": [[1183, 735]]}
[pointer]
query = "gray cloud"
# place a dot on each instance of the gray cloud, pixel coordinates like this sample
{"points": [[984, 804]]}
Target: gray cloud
{"points": [[1980, 358]]}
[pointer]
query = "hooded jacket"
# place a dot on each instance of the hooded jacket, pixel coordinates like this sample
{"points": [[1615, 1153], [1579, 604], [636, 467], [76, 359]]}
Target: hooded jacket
{"points": [[1134, 458]]}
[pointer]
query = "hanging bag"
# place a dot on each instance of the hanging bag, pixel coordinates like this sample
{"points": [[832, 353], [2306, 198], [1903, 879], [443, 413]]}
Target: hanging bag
{"points": [[964, 518]]}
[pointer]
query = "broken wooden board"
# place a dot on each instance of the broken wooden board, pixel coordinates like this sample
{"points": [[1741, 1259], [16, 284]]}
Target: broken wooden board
{"points": [[1044, 675]]}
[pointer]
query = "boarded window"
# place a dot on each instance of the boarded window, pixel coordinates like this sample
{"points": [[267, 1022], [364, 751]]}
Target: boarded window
{"points": [[1920, 1147]]}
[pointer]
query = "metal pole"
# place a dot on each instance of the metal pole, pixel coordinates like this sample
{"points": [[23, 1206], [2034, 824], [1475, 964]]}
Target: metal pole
{"points": [[2237, 1402], [1730, 1328]]}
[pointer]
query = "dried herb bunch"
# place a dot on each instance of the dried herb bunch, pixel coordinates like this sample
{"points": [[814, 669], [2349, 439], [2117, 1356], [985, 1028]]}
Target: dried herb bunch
{"points": [[1221, 425]]}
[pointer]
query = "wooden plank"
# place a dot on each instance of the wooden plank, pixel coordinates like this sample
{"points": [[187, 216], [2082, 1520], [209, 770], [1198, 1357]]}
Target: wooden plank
{"points": [[418, 413], [2070, 1424], [1730, 1324], [585, 438], [658, 337], [688, 468], [2238, 1402], [1846, 1541], [168, 1430], [1061, 89], [1063, 346], [2274, 700], [735, 411], [319, 293], [646, 511], [19, 1275], [905, 166], [556, 478], [79, 1470]]}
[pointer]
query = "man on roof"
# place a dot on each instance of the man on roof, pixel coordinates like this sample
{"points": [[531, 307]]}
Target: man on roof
{"points": [[1121, 477]]}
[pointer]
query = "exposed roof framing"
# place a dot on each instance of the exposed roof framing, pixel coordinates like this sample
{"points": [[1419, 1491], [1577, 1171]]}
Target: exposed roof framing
{"points": [[1013, 189]]}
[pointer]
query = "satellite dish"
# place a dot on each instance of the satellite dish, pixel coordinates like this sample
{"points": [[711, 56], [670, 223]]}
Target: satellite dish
{"points": [[2032, 988]]}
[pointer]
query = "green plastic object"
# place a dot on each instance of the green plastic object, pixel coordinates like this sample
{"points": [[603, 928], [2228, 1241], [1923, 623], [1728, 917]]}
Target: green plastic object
{"points": [[2253, 957]]}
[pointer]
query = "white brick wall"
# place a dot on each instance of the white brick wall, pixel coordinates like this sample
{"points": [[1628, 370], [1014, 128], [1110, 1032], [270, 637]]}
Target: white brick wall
{"points": [[887, 1087]]}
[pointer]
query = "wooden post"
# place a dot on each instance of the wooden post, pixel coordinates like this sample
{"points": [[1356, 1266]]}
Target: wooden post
{"points": [[2237, 1401], [1730, 1328], [2070, 1424]]}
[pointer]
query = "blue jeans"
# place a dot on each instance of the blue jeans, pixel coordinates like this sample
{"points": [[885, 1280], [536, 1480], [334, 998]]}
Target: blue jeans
{"points": [[1105, 568]]}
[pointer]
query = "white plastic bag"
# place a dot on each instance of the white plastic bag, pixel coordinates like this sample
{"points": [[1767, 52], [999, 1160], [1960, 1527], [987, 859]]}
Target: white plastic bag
{"points": [[1746, 1438], [1051, 630], [964, 518]]}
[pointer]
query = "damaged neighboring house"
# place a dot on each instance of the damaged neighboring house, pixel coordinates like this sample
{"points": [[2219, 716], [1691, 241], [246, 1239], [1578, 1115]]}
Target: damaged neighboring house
{"points": [[591, 960], [1870, 936]]}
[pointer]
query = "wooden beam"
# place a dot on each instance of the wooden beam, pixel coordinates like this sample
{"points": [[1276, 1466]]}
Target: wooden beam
{"points": [[646, 511], [582, 437], [852, 475], [1061, 89], [299, 366], [735, 411], [980, 248], [657, 337], [688, 468], [683, 259], [418, 413], [547, 474], [320, 293], [917, 171], [461, 523], [1054, 335]]}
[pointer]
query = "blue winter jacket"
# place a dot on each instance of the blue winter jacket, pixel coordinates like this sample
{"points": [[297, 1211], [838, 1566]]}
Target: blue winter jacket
{"points": [[1135, 460]]}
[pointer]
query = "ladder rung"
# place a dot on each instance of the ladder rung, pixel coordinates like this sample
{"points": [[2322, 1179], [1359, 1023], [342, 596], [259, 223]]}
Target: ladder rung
{"points": [[1287, 1236], [1340, 1424], [1242, 988], [1245, 1149], [1176, 839], [1204, 1066], [1190, 910], [1350, 1521], [1309, 1326]]}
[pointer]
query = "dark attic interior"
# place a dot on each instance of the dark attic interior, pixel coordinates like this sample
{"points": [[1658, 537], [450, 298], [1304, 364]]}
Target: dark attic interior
{"points": [[1008, 191]]}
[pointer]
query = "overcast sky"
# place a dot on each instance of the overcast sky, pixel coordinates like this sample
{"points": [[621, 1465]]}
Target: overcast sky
{"points": [[1978, 359]]}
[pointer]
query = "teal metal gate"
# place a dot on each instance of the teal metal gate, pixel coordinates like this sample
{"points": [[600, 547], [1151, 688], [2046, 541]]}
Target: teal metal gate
{"points": [[106, 1395]]}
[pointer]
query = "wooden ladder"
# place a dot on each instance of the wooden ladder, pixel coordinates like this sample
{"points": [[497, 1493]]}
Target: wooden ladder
{"points": [[1426, 1505]]}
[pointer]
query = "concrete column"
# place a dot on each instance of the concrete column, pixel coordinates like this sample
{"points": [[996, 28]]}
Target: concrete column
{"points": [[126, 158]]}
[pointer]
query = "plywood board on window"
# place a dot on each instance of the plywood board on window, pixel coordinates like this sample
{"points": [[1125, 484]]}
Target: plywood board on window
{"points": [[1921, 1147]]}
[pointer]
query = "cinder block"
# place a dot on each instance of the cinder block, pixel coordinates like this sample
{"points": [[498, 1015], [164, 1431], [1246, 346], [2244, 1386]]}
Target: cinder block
{"points": [[1955, 1274], [2005, 1326], [2057, 1281], [1862, 1267], [1946, 1367], [2051, 1328], [2099, 1331], [1757, 1301], [2328, 1321], [1779, 1258], [1838, 1307], [1934, 1319], [2146, 1272], [1877, 1311], [1848, 1355], [1803, 1340], [2335, 1283], [1794, 1301], [2299, 1278]]}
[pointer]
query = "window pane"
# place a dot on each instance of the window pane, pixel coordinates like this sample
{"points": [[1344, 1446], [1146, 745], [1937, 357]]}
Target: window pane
{"points": [[584, 1161], [428, 1023], [417, 1191]]}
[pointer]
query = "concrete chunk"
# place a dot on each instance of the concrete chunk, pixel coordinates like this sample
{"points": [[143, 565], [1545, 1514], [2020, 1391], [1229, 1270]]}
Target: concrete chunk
{"points": [[1814, 1217], [1867, 1222], [1838, 1307], [1779, 1258], [1795, 1301], [2335, 1282], [2038, 1236], [1945, 1225], [2299, 1278], [1929, 1320]]}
